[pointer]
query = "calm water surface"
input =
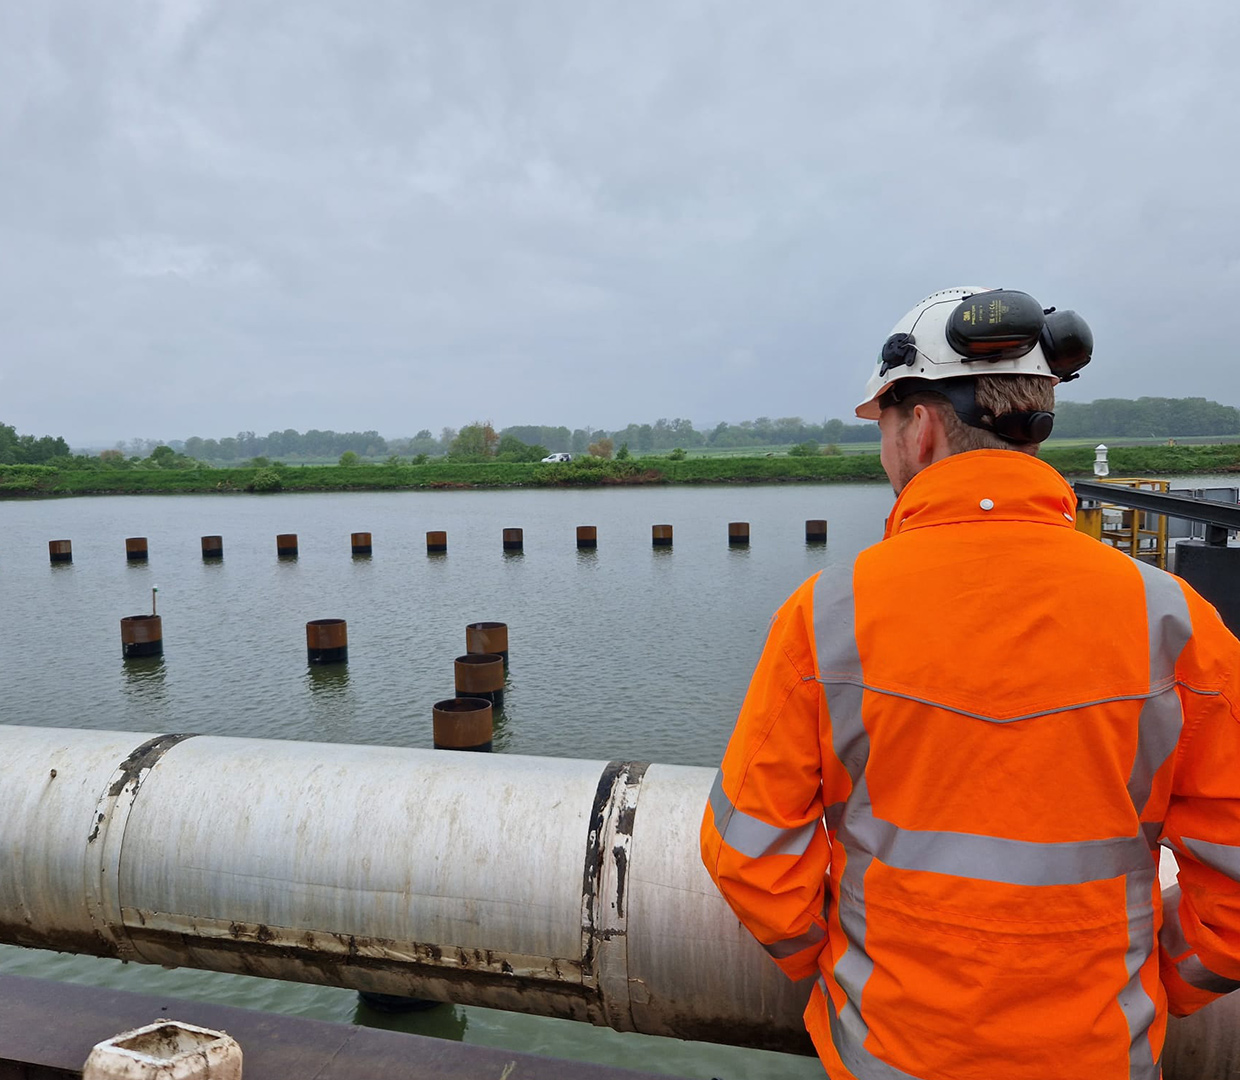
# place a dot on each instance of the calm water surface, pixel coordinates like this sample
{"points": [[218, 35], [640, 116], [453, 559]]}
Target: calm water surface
{"points": [[623, 652]]}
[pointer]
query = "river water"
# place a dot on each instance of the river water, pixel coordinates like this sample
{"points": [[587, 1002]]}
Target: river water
{"points": [[624, 652]]}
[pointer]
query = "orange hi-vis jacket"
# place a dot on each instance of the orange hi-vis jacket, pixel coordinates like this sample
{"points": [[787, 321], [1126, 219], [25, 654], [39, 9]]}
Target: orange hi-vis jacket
{"points": [[949, 780]]}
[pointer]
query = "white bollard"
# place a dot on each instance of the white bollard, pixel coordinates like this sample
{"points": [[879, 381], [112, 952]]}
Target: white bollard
{"points": [[1101, 467], [165, 1050]]}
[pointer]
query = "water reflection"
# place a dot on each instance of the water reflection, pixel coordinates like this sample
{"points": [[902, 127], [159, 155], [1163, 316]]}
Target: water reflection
{"points": [[144, 680], [328, 681], [500, 734], [333, 705], [439, 1021]]}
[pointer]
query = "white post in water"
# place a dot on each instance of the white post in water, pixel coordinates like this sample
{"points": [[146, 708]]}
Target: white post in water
{"points": [[154, 590], [1101, 468]]}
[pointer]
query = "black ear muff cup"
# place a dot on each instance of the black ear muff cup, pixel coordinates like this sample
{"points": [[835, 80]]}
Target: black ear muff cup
{"points": [[1024, 427], [999, 325], [1067, 343]]}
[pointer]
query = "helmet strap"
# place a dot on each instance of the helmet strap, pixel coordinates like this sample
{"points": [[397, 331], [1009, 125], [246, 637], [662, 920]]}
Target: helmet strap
{"points": [[1020, 428]]}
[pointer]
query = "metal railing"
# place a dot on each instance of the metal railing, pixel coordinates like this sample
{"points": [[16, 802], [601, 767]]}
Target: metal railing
{"points": [[1219, 518]]}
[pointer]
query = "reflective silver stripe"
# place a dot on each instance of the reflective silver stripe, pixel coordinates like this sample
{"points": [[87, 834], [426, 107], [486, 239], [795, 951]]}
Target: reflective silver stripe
{"points": [[1171, 934], [1221, 857], [781, 950], [839, 668], [860, 1062], [1158, 729], [992, 858], [1137, 1005], [1071, 707], [1190, 967], [750, 836], [1195, 973], [854, 967], [834, 815], [1152, 830]]}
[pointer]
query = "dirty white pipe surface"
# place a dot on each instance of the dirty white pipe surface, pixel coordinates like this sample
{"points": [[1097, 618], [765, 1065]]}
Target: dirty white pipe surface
{"points": [[540, 885]]}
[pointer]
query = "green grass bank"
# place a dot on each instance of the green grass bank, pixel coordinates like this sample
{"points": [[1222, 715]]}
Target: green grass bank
{"points": [[42, 480]]}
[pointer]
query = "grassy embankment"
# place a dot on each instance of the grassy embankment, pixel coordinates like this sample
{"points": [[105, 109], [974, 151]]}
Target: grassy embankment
{"points": [[35, 480]]}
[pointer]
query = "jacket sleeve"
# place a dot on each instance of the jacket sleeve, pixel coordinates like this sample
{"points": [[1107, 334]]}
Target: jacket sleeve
{"points": [[1200, 938], [762, 836]]}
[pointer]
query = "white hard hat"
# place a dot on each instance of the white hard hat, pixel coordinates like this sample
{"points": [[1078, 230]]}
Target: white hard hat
{"points": [[974, 330]]}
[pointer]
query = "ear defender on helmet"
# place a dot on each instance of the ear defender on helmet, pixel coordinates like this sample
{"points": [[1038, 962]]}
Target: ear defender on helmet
{"points": [[1067, 343], [972, 332], [998, 325]]}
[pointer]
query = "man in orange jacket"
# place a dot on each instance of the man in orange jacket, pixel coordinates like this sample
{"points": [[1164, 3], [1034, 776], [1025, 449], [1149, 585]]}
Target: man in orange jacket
{"points": [[958, 756]]}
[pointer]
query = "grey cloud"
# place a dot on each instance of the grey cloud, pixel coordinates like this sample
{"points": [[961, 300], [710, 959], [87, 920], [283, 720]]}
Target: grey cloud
{"points": [[222, 216]]}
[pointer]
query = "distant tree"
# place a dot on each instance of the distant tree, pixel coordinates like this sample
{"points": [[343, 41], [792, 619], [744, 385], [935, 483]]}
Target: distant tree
{"points": [[477, 440], [685, 433], [513, 449], [663, 434], [557, 438], [18, 449], [1146, 417], [601, 449], [804, 449], [623, 453], [424, 443], [112, 457], [349, 458]]}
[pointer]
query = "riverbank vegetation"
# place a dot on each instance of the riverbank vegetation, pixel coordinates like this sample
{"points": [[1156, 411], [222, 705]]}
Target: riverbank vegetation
{"points": [[1146, 418], [787, 450], [170, 472]]}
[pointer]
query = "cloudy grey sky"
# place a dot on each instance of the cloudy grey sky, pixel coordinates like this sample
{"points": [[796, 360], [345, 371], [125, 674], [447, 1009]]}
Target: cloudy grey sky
{"points": [[224, 215]]}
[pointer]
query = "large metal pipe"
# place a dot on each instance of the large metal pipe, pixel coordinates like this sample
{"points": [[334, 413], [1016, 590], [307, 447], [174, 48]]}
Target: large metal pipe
{"points": [[541, 885]]}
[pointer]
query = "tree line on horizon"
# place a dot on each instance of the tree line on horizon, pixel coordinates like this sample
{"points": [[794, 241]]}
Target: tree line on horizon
{"points": [[26, 449], [1146, 417]]}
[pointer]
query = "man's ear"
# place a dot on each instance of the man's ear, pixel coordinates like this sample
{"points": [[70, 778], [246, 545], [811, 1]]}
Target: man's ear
{"points": [[929, 434]]}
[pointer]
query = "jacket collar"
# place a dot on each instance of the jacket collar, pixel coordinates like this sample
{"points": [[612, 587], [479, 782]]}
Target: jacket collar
{"points": [[984, 485]]}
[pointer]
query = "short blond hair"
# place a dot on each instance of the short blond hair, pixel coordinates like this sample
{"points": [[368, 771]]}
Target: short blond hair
{"points": [[998, 394]]}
